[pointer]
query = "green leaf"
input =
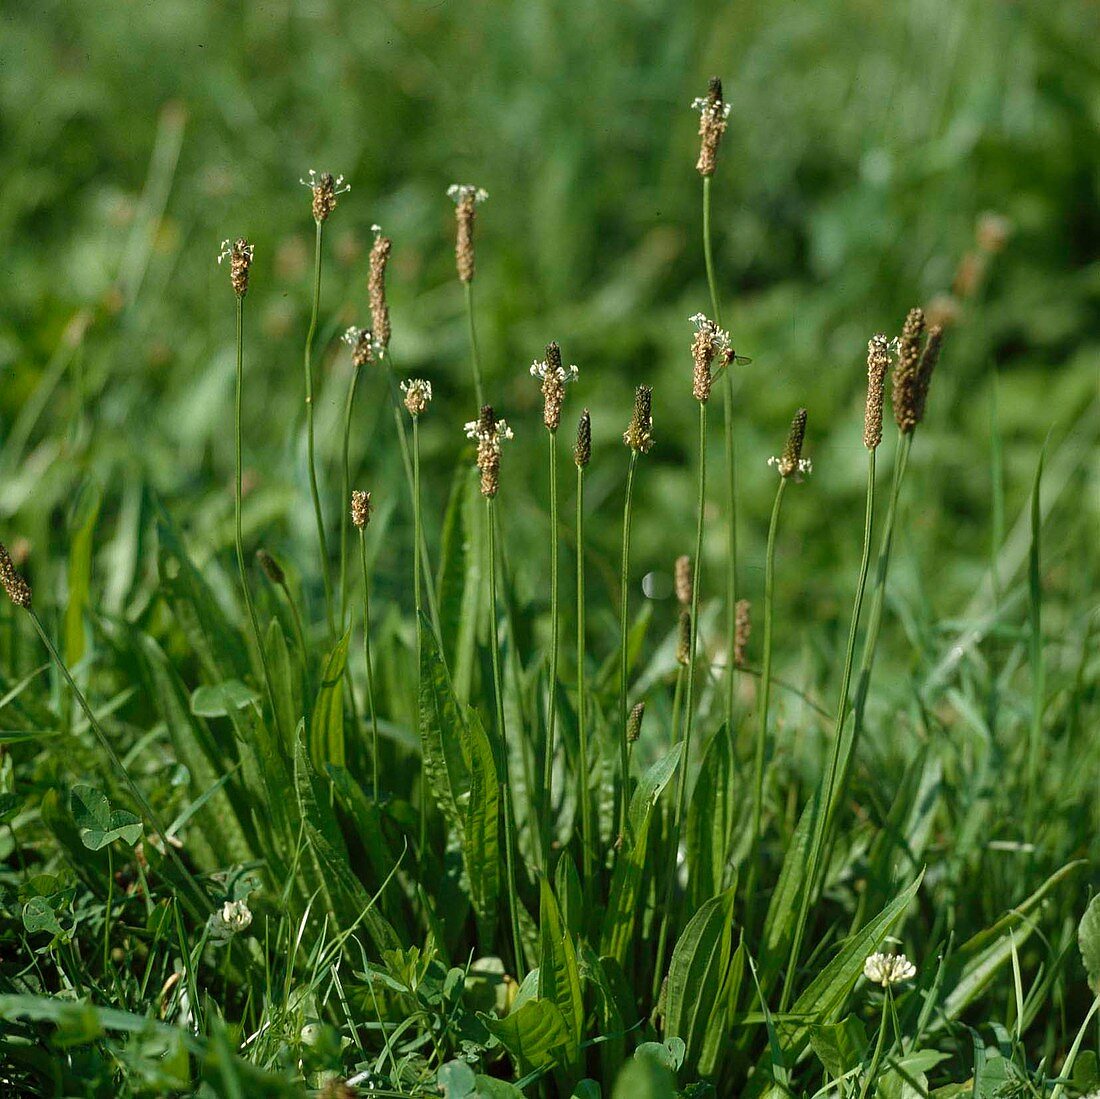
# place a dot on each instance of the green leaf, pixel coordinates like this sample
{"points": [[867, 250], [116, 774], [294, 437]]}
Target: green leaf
{"points": [[326, 730], [670, 1053], [559, 974], [534, 1035], [38, 915], [697, 975], [10, 804], [481, 825], [644, 1078], [218, 699], [98, 823], [457, 1080], [86, 513], [839, 1046], [441, 728], [1088, 939], [711, 819], [488, 1087], [586, 1089]]}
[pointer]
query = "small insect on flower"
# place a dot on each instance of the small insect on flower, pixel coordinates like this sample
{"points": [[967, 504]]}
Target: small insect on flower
{"points": [[361, 342], [888, 969], [418, 393], [554, 378], [232, 918], [240, 255], [326, 189]]}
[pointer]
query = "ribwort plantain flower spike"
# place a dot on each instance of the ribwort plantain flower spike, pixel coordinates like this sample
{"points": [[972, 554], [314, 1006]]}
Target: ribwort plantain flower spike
{"points": [[240, 254], [906, 384], [488, 432], [582, 452], [634, 723], [791, 463], [713, 114], [13, 581], [878, 362], [271, 568], [709, 342], [684, 581], [639, 434], [362, 344], [361, 508], [418, 393], [326, 188], [376, 290], [683, 638], [466, 197], [554, 378]]}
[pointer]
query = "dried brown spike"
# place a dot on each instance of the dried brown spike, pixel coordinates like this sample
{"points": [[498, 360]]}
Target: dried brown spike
{"points": [[741, 631], [791, 461], [634, 722], [683, 639], [325, 188], [582, 452], [639, 434], [713, 112], [905, 394], [466, 198], [928, 361], [376, 291], [702, 356], [272, 569], [878, 362], [240, 254], [19, 591], [684, 581], [361, 508]]}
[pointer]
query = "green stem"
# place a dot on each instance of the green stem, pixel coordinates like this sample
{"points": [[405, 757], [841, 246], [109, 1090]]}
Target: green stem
{"points": [[318, 514], [425, 803], [825, 796], [760, 753], [624, 748], [582, 726], [367, 660], [506, 786], [689, 706], [1035, 647], [238, 494], [345, 498], [475, 353], [731, 474], [107, 913], [300, 637], [876, 1059], [199, 904], [551, 705]]}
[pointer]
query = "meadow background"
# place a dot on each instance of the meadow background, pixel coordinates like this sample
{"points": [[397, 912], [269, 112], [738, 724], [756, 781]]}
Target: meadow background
{"points": [[866, 142]]}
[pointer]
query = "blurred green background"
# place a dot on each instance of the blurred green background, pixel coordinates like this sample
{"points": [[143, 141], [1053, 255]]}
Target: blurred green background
{"points": [[865, 144]]}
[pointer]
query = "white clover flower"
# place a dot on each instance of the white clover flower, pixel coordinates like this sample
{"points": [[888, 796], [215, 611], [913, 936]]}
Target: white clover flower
{"points": [[232, 918], [463, 192], [888, 969], [564, 374], [703, 105]]}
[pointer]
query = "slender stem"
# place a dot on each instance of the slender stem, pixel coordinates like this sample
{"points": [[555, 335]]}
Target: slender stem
{"points": [[876, 1058], [345, 519], [582, 726], [765, 691], [506, 786], [825, 796], [475, 353], [551, 705], [314, 491], [1035, 647], [689, 707], [199, 903], [624, 748], [425, 801], [238, 494], [367, 660], [731, 467], [107, 912]]}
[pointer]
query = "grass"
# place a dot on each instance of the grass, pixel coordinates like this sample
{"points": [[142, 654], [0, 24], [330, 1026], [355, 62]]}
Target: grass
{"points": [[235, 857]]}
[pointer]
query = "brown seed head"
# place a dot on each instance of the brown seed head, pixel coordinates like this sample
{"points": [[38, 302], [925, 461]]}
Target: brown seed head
{"points": [[878, 362], [19, 591], [361, 508], [488, 432], [684, 581], [791, 461], [905, 382], [418, 393], [741, 631], [376, 291], [554, 378], [272, 569], [239, 253], [639, 435], [709, 340], [361, 342], [683, 638], [325, 188], [713, 113], [582, 452], [634, 722], [928, 360], [466, 197]]}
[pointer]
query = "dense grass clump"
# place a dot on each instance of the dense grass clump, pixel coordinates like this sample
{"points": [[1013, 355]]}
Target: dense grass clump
{"points": [[559, 768]]}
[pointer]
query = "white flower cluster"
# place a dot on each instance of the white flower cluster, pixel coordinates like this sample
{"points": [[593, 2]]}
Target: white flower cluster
{"points": [[229, 247], [805, 466], [339, 187], [703, 105], [501, 431], [232, 918], [565, 374], [719, 337], [888, 969], [460, 192]]}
